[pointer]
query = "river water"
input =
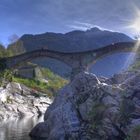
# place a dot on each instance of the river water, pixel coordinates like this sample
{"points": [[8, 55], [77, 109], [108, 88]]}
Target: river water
{"points": [[18, 129]]}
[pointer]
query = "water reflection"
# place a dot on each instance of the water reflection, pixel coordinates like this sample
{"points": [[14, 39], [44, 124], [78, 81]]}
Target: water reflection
{"points": [[18, 129]]}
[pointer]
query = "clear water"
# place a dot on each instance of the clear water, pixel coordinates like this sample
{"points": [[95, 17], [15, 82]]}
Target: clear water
{"points": [[17, 129]]}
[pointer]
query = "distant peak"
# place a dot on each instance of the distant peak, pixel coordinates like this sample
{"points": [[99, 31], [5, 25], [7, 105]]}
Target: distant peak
{"points": [[94, 29]]}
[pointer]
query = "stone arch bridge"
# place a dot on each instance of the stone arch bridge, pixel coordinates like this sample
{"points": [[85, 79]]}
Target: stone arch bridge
{"points": [[78, 61]]}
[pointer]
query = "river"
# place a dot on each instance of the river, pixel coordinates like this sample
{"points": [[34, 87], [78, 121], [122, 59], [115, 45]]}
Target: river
{"points": [[18, 129]]}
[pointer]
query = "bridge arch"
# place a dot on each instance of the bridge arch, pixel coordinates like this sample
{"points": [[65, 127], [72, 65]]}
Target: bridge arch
{"points": [[112, 64], [117, 48], [104, 56], [29, 56], [78, 61]]}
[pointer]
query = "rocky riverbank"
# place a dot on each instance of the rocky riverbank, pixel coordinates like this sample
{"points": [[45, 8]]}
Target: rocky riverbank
{"points": [[91, 108], [17, 101]]}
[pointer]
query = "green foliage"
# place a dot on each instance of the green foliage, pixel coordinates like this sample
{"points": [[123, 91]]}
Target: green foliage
{"points": [[32, 83], [51, 87], [55, 82], [135, 134], [126, 109], [97, 114], [15, 48], [4, 52], [6, 76]]}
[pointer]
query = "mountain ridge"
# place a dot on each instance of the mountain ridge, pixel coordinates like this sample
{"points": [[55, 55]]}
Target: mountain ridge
{"points": [[73, 41]]}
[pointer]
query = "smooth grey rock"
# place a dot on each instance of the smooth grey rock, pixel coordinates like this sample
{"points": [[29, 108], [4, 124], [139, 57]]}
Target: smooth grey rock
{"points": [[18, 101], [87, 109]]}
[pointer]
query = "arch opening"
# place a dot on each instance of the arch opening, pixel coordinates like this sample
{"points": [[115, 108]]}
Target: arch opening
{"points": [[108, 65]]}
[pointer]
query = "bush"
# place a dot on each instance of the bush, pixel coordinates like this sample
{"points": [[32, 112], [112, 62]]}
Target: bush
{"points": [[126, 109], [96, 115], [6, 76], [135, 134], [51, 87]]}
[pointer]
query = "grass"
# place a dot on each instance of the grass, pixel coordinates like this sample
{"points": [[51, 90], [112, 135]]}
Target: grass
{"points": [[50, 88]]}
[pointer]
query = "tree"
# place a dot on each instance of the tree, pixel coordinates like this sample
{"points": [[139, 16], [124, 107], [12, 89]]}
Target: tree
{"points": [[16, 48], [2, 51]]}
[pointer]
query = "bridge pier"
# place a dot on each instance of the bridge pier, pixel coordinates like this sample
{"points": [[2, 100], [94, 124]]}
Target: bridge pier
{"points": [[77, 70]]}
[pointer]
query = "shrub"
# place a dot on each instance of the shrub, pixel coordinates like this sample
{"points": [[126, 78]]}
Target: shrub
{"points": [[96, 115], [126, 109], [135, 134], [6, 76]]}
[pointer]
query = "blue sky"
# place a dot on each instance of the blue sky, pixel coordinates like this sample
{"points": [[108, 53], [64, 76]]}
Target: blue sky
{"points": [[20, 17]]}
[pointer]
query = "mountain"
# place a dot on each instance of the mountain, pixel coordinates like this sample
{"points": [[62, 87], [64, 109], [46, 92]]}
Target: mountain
{"points": [[71, 42]]}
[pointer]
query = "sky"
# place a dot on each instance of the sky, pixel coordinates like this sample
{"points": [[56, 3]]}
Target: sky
{"points": [[20, 17]]}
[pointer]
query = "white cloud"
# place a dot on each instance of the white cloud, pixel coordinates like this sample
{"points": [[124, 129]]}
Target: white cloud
{"points": [[84, 26], [76, 27], [88, 25], [80, 26]]}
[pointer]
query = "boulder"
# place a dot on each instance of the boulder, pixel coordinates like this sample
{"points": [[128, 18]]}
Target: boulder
{"points": [[92, 109], [17, 101]]}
